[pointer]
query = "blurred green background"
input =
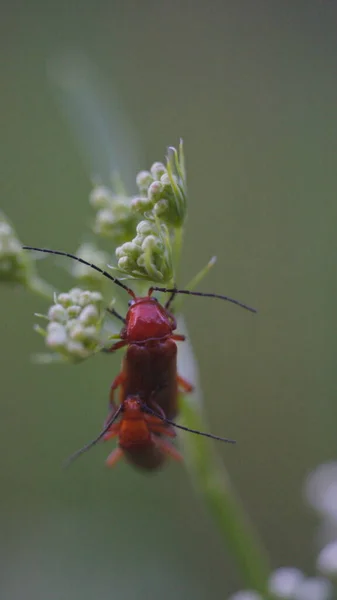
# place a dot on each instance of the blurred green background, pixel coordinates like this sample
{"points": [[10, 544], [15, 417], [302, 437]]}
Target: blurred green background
{"points": [[252, 89]]}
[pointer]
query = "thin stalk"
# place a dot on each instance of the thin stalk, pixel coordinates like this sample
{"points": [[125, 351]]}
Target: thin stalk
{"points": [[213, 483]]}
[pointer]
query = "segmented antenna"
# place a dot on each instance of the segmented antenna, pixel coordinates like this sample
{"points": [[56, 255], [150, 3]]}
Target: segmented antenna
{"points": [[93, 442], [86, 263], [203, 433], [172, 291], [175, 291]]}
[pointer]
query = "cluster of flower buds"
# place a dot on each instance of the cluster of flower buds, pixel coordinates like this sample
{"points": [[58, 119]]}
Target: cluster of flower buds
{"points": [[163, 190], [15, 264], [149, 255], [74, 324], [114, 218], [87, 277]]}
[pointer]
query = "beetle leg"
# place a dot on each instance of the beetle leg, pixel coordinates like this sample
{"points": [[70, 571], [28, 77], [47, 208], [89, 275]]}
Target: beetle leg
{"points": [[116, 346], [177, 337], [184, 384], [119, 380], [112, 432], [114, 457], [162, 429], [167, 448]]}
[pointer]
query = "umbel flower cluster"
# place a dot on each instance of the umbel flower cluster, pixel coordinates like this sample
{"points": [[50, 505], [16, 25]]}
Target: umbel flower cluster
{"points": [[74, 324], [141, 237]]}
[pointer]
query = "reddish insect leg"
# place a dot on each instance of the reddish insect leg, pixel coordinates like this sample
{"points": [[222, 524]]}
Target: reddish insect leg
{"points": [[184, 384], [114, 457], [119, 380], [178, 337], [112, 432], [167, 448], [116, 346]]}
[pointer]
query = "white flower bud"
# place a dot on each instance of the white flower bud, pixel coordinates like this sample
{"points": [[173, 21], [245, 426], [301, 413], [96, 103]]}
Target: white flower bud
{"points": [[73, 311], [89, 333], [64, 299], [57, 313], [157, 170], [77, 349], [143, 180], [76, 332], [96, 297], [56, 336], [89, 315]]}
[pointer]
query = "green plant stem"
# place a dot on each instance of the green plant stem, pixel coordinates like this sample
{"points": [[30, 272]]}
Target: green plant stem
{"points": [[213, 482]]}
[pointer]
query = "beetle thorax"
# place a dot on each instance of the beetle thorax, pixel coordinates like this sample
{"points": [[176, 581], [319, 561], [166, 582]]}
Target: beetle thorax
{"points": [[147, 320]]}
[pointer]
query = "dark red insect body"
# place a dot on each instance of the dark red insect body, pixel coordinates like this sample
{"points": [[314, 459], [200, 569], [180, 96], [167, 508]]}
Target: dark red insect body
{"points": [[140, 438], [149, 366], [148, 380]]}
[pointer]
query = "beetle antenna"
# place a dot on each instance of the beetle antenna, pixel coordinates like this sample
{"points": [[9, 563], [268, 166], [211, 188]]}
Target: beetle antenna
{"points": [[114, 312], [93, 442], [203, 433], [175, 291], [84, 262]]}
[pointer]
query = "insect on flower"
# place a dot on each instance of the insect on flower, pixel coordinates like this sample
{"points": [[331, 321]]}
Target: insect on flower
{"points": [[149, 366]]}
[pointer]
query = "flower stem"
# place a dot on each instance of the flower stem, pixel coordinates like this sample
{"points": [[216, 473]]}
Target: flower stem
{"points": [[233, 524], [213, 482]]}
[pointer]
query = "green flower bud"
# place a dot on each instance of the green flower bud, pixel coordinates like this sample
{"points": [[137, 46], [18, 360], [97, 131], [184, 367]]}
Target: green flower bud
{"points": [[146, 228], [161, 208], [126, 264], [149, 255], [166, 181], [141, 204], [157, 170], [155, 191], [129, 249], [175, 189], [152, 244], [143, 180]]}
